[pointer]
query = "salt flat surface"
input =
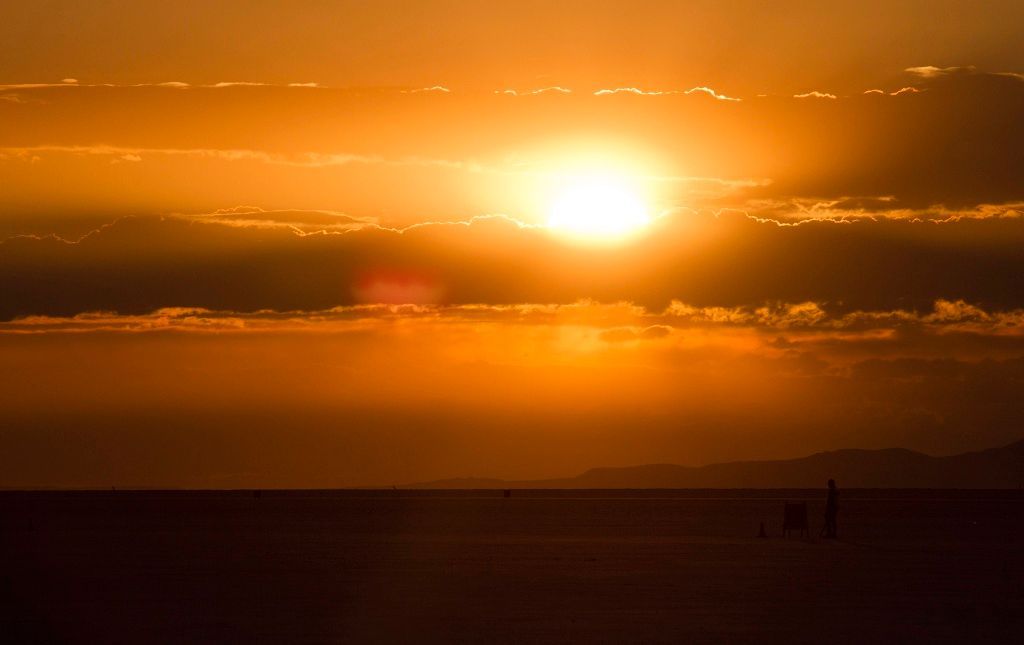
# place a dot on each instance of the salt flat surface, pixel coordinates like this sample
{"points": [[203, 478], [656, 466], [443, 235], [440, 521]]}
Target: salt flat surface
{"points": [[549, 566]]}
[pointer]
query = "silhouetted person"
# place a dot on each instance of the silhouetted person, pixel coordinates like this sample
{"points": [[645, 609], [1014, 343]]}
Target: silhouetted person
{"points": [[831, 510]]}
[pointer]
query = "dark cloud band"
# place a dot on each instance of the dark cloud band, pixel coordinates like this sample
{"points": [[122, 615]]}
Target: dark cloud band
{"points": [[138, 265]]}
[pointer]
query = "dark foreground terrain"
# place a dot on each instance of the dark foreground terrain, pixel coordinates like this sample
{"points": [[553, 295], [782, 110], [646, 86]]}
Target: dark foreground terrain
{"points": [[555, 566]]}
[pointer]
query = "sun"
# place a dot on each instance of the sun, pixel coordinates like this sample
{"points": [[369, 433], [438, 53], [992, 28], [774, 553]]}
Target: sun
{"points": [[598, 208]]}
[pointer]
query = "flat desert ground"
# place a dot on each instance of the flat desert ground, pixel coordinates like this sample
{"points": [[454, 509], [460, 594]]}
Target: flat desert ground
{"points": [[541, 566]]}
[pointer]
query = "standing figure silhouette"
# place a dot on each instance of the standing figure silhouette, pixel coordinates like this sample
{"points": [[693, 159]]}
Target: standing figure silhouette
{"points": [[831, 510]]}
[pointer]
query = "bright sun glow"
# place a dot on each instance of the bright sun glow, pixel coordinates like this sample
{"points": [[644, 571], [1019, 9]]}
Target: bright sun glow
{"points": [[598, 208]]}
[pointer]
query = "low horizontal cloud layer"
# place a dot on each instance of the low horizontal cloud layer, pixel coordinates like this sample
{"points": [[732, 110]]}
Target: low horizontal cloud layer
{"points": [[808, 319], [248, 260]]}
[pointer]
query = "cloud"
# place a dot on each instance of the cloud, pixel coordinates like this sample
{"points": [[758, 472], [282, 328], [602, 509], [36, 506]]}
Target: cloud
{"points": [[795, 211], [305, 159], [543, 90], [802, 324], [903, 90], [434, 88], [250, 260], [336, 159], [930, 71], [639, 92], [238, 84], [815, 95], [710, 92], [629, 334], [300, 222], [71, 82]]}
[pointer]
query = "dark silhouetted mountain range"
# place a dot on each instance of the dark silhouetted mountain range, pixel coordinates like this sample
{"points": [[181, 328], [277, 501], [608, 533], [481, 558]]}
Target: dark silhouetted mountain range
{"points": [[890, 468]]}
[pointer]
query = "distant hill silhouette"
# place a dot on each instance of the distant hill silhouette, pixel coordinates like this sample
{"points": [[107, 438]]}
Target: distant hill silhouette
{"points": [[889, 468]]}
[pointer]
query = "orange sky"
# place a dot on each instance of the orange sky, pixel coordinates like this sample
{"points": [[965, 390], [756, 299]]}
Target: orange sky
{"points": [[312, 244], [740, 46]]}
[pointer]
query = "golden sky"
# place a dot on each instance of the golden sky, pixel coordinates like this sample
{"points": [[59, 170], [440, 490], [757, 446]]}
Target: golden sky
{"points": [[349, 243]]}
